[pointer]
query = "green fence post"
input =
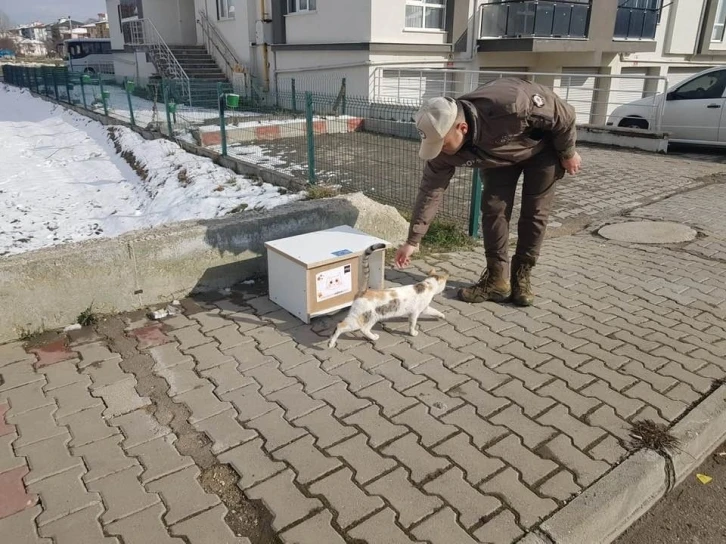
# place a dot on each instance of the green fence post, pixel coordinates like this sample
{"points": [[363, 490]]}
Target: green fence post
{"points": [[310, 136], [344, 91], [67, 77], [294, 96], [103, 95], [83, 91], [165, 93], [27, 77], [222, 122], [55, 85], [128, 97], [475, 204], [46, 86]]}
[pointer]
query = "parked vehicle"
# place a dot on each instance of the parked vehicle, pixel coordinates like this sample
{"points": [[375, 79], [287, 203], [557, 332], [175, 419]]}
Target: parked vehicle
{"points": [[89, 55], [693, 110]]}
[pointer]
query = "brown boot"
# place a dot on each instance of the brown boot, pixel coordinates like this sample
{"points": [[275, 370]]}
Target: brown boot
{"points": [[492, 286], [522, 294]]}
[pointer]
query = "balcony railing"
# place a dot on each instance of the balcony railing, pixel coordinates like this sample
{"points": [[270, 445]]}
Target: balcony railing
{"points": [[535, 19], [635, 23]]}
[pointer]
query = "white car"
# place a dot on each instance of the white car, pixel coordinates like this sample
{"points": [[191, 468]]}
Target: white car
{"points": [[693, 111]]}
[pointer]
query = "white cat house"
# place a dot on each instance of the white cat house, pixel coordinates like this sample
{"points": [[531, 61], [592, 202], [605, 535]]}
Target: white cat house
{"points": [[319, 273]]}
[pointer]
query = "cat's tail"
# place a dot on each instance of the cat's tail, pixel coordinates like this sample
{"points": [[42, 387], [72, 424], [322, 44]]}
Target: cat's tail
{"points": [[367, 267]]}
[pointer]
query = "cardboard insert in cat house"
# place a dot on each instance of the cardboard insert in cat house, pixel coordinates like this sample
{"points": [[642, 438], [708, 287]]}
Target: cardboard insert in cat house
{"points": [[319, 273]]}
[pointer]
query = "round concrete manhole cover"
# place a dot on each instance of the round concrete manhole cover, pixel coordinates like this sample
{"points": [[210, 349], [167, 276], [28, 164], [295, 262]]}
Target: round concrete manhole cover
{"points": [[648, 232]]}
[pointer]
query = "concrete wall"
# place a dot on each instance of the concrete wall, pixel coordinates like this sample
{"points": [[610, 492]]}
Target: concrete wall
{"points": [[239, 32], [333, 21], [49, 288], [165, 15], [114, 24], [388, 25]]}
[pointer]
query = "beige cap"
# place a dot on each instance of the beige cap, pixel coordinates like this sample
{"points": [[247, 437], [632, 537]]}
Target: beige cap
{"points": [[433, 121]]}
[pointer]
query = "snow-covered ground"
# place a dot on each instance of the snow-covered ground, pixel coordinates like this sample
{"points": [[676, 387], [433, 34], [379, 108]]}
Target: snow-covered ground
{"points": [[62, 180]]}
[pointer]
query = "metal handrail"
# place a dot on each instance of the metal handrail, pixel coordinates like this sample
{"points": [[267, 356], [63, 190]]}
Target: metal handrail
{"points": [[506, 6], [144, 33], [220, 44]]}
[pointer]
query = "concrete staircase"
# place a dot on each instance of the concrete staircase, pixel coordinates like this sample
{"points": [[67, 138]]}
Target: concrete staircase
{"points": [[197, 63]]}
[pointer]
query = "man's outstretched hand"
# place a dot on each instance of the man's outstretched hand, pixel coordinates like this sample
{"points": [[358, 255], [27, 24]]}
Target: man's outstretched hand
{"points": [[403, 255], [572, 165]]}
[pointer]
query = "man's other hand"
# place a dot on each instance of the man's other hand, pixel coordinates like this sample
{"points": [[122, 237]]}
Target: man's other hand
{"points": [[572, 165], [403, 255]]}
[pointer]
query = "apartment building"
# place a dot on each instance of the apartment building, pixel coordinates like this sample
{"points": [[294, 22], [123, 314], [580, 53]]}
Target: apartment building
{"points": [[386, 49]]}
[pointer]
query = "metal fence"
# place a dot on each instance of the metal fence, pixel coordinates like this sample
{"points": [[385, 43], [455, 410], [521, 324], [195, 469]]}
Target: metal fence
{"points": [[599, 99], [310, 129]]}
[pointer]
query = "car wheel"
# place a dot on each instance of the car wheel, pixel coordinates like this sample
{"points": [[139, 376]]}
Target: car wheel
{"points": [[634, 122]]}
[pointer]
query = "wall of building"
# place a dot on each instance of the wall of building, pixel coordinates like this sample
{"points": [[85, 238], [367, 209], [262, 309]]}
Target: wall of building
{"points": [[333, 21], [388, 25]]}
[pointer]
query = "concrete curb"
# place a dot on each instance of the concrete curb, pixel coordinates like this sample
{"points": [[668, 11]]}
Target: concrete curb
{"points": [[50, 287], [608, 507]]}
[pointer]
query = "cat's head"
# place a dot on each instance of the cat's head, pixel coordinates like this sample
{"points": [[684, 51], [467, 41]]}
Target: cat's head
{"points": [[440, 279]]}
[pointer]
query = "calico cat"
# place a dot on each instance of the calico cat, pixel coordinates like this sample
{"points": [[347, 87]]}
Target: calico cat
{"points": [[373, 305]]}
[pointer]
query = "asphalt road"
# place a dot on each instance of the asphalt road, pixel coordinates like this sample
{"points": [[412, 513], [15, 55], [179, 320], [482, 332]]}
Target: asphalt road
{"points": [[693, 513]]}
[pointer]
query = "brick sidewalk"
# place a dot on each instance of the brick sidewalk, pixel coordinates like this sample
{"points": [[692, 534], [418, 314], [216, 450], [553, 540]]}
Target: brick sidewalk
{"points": [[233, 423]]}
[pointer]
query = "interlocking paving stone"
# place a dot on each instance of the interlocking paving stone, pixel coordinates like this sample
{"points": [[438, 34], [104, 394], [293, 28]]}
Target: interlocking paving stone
{"points": [[380, 527], [182, 494], [309, 463], [143, 527], [531, 432], [36, 425], [316, 530], [159, 457], [8, 459], [26, 398], [485, 402], [104, 457], [168, 355], [53, 353], [365, 461], [209, 356], [411, 504], [341, 399], [501, 529], [14, 497], [48, 458], [123, 494], [324, 427], [561, 486], [482, 432], [347, 499], [189, 337], [60, 375], [469, 503], [442, 528], [12, 353], [275, 430], [225, 431], [577, 403], [519, 497], [355, 376], [251, 463], [430, 430], [532, 467], [286, 503], [668, 408], [420, 463], [582, 435], [202, 403], [16, 375], [226, 377], [63, 494], [121, 398], [208, 527], [378, 429], [81, 527], [181, 378], [20, 528], [248, 401]]}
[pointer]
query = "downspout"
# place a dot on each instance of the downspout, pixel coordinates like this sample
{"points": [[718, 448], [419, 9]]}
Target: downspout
{"points": [[265, 53]]}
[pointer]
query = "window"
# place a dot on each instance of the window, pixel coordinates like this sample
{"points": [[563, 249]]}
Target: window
{"points": [[719, 24], [425, 14], [708, 86], [131, 9], [225, 9], [296, 6]]}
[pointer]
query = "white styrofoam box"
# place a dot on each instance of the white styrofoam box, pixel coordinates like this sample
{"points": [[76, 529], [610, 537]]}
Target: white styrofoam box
{"points": [[319, 273]]}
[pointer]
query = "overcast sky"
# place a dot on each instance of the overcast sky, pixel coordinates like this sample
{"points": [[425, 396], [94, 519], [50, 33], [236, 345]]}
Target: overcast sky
{"points": [[48, 11]]}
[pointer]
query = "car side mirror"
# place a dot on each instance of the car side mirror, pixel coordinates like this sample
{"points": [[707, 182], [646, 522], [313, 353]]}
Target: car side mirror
{"points": [[671, 96]]}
